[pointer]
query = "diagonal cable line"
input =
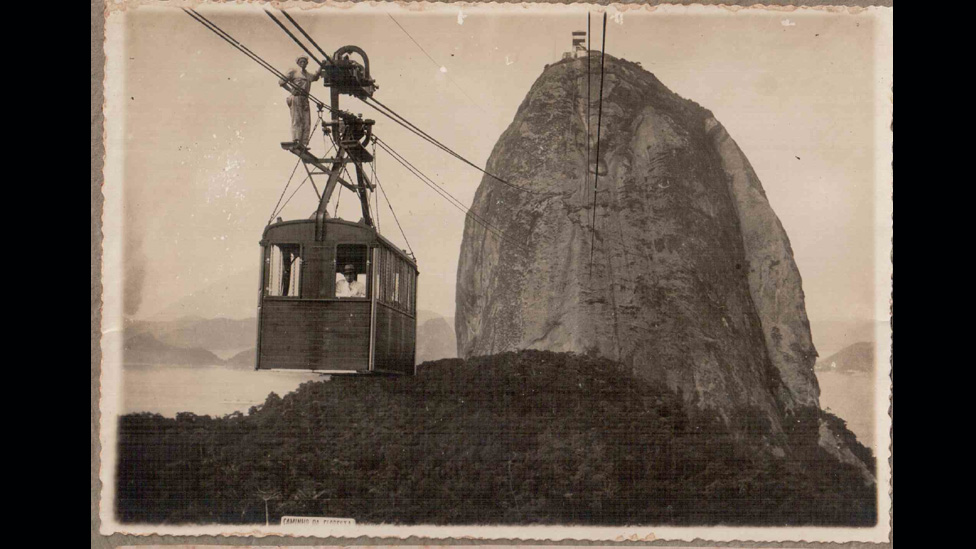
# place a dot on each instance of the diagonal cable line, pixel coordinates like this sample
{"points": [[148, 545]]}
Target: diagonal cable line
{"points": [[293, 37], [380, 107], [226, 37], [298, 188], [447, 195], [275, 210], [306, 35], [436, 64], [400, 120], [395, 218]]}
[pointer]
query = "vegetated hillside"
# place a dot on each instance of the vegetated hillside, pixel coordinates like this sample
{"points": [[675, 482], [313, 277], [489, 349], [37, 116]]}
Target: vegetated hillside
{"points": [[528, 437], [858, 357], [144, 349]]}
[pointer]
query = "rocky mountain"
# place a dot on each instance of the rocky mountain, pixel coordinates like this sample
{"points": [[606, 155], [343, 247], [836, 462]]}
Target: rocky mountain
{"points": [[858, 357], [692, 281], [143, 349], [435, 338]]}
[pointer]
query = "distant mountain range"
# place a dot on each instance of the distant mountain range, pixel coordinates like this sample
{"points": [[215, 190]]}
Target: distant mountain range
{"points": [[234, 338], [858, 357], [143, 349], [233, 296], [243, 360], [830, 336], [189, 341], [215, 334], [435, 338], [197, 341]]}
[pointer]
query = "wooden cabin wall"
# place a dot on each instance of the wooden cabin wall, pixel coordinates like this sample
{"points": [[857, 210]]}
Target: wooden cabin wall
{"points": [[320, 335], [319, 277], [396, 340]]}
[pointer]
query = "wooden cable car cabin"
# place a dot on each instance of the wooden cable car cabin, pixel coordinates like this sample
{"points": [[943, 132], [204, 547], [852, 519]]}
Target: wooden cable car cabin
{"points": [[336, 296], [308, 320]]}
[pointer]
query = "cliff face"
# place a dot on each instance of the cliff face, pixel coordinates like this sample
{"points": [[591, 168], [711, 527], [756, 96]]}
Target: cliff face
{"points": [[692, 280]]}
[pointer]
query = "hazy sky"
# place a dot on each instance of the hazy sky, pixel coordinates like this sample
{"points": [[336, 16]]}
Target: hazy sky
{"points": [[203, 167]]}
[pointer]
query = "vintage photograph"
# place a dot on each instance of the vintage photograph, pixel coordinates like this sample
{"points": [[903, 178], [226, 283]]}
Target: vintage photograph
{"points": [[537, 271]]}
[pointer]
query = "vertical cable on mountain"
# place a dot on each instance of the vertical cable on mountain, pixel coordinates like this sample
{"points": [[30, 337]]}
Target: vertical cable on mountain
{"points": [[586, 167], [599, 123]]}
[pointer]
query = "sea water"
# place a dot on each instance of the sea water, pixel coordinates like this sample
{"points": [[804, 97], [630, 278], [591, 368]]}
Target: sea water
{"points": [[851, 398], [209, 390]]}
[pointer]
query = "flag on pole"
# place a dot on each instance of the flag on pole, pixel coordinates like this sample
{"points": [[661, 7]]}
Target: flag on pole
{"points": [[579, 39]]}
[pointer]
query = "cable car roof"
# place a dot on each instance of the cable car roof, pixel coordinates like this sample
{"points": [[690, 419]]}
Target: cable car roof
{"points": [[336, 221]]}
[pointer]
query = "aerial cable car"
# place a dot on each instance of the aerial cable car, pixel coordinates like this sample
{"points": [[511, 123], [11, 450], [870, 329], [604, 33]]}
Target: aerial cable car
{"points": [[336, 296]]}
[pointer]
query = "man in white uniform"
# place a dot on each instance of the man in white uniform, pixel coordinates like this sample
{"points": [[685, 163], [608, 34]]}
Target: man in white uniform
{"points": [[298, 82], [348, 286]]}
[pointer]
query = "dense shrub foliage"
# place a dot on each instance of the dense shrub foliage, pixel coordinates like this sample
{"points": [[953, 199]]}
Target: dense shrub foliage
{"points": [[530, 437]]}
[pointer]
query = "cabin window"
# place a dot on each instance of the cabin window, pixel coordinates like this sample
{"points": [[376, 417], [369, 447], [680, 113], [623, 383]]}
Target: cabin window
{"points": [[395, 284], [352, 271], [284, 274]]}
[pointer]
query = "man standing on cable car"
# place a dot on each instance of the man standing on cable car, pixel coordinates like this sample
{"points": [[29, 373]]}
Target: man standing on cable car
{"points": [[299, 82]]}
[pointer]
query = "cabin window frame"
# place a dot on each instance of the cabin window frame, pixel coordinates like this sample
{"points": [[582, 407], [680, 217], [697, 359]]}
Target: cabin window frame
{"points": [[368, 275], [395, 281], [270, 270]]}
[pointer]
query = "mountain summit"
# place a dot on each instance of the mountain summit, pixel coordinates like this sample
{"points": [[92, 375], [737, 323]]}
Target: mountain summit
{"points": [[692, 281]]}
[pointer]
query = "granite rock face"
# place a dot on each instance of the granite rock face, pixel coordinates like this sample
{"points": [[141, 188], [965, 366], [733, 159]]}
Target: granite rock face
{"points": [[687, 276]]}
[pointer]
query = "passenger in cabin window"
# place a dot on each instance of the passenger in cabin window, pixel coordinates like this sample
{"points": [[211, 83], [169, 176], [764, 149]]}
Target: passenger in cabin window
{"points": [[348, 285]]}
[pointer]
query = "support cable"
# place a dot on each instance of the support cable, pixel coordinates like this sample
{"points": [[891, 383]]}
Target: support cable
{"points": [[306, 35], [312, 181], [293, 37], [436, 64], [372, 168], [298, 188], [308, 171], [378, 106], [586, 169], [447, 195], [599, 123], [397, 220], [392, 115], [225, 36], [275, 210]]}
